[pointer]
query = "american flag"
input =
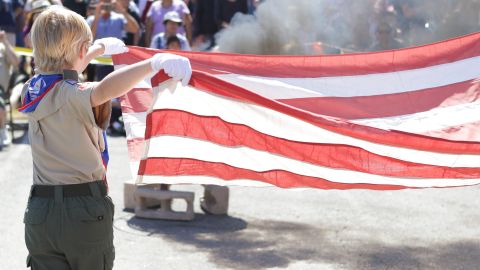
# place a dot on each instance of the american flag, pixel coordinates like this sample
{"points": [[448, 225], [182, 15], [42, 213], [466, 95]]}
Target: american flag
{"points": [[406, 118]]}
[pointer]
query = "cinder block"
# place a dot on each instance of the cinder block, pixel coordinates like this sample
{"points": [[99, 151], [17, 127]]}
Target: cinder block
{"points": [[215, 200], [129, 196], [164, 197]]}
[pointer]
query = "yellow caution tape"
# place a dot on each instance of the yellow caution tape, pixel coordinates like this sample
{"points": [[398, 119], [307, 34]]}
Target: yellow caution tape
{"points": [[96, 61]]}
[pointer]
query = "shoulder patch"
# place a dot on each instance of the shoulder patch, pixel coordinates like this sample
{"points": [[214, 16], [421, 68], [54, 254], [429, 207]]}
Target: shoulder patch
{"points": [[71, 82]]}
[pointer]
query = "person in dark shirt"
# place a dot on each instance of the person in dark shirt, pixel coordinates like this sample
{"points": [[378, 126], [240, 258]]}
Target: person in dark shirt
{"points": [[385, 38], [204, 27], [225, 9], [78, 6], [9, 10], [132, 9]]}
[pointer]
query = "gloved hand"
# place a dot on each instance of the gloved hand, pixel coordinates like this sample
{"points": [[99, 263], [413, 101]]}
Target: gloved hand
{"points": [[112, 45], [175, 66]]}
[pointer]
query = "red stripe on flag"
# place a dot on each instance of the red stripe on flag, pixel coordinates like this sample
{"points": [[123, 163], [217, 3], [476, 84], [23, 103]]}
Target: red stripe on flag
{"points": [[206, 65], [324, 65], [390, 104], [215, 130], [135, 148], [280, 178], [211, 84], [137, 100]]}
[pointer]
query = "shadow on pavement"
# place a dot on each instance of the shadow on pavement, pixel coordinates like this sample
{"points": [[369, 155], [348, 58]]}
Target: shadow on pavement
{"points": [[233, 243], [457, 255]]}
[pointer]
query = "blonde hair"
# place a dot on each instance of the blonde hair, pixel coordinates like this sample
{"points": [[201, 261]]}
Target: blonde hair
{"points": [[57, 37]]}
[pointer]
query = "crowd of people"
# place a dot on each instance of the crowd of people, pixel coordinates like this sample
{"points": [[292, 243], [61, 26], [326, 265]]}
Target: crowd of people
{"points": [[368, 25], [137, 22], [163, 24], [375, 25]]}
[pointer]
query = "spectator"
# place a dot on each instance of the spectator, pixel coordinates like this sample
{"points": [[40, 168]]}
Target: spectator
{"points": [[35, 8], [154, 23], [111, 19], [132, 9], [9, 11], [204, 25], [144, 7], [412, 26], [173, 43], [30, 6], [78, 6], [385, 38], [172, 22], [225, 9], [191, 4], [8, 60], [252, 5]]}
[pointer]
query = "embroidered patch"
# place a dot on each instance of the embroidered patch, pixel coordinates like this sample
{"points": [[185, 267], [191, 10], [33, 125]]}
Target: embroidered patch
{"points": [[71, 82]]}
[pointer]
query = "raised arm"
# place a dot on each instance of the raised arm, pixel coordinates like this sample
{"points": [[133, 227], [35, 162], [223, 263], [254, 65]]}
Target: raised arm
{"points": [[120, 82], [12, 57], [123, 80], [131, 26], [148, 31], [96, 18], [187, 22], [94, 51]]}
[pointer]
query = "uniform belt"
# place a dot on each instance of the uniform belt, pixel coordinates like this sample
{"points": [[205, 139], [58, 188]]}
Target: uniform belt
{"points": [[76, 190]]}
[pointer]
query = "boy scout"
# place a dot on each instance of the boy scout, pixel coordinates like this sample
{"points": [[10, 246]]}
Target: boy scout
{"points": [[68, 220]]}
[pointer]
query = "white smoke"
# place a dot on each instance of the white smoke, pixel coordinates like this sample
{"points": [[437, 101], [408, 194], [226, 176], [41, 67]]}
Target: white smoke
{"points": [[278, 27], [297, 27]]}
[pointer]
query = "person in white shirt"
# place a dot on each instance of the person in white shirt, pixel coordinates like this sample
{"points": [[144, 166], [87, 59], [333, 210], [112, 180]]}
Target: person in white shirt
{"points": [[172, 22]]}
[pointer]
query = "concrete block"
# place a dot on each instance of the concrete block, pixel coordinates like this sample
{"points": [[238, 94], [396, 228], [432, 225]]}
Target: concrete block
{"points": [[129, 201], [163, 196], [215, 200]]}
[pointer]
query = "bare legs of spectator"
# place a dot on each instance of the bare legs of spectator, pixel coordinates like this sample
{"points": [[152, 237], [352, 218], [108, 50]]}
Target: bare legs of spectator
{"points": [[5, 139]]}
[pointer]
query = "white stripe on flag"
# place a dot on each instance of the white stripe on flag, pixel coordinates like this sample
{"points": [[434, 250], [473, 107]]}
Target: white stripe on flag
{"points": [[277, 124], [135, 124], [260, 161], [360, 85], [435, 119], [199, 180], [134, 165]]}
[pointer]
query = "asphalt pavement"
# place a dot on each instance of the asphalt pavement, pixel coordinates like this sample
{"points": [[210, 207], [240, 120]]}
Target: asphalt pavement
{"points": [[271, 228]]}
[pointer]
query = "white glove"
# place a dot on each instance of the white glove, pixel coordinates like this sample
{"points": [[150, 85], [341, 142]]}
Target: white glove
{"points": [[175, 66], [112, 45]]}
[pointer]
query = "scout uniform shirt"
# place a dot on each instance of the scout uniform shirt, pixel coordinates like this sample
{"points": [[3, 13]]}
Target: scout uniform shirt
{"points": [[65, 132]]}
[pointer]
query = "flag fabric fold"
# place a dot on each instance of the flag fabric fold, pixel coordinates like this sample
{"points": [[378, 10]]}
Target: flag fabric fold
{"points": [[388, 120]]}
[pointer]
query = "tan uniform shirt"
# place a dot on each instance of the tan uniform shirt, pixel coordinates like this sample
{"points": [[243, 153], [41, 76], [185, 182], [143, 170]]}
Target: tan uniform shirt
{"points": [[65, 138]]}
